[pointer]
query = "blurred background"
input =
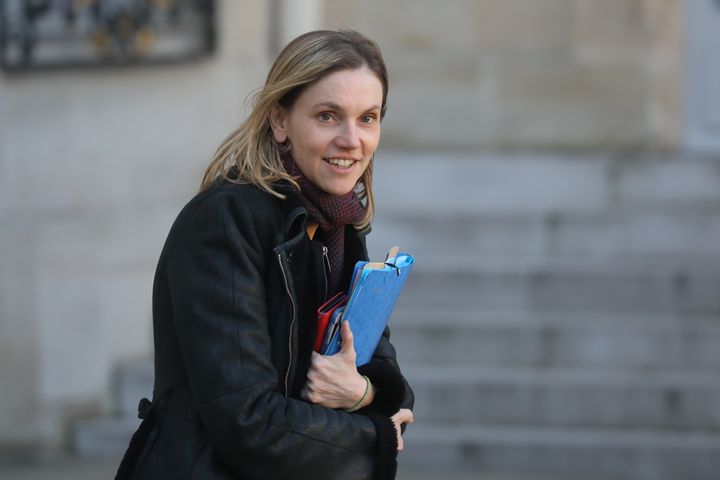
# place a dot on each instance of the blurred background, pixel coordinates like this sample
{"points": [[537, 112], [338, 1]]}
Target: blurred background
{"points": [[554, 165]]}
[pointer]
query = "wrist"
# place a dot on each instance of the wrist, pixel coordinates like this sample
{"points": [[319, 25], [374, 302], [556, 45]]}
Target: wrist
{"points": [[370, 394], [362, 401]]}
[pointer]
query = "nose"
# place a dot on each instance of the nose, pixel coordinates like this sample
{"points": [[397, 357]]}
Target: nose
{"points": [[348, 138]]}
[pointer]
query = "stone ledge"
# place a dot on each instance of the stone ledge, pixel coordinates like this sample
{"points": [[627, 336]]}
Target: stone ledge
{"points": [[565, 453]]}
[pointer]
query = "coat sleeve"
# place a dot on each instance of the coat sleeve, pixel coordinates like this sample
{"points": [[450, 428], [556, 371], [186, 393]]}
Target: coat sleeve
{"points": [[392, 389], [216, 277]]}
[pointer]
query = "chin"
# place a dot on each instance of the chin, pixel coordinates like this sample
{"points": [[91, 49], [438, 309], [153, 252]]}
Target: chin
{"points": [[337, 189]]}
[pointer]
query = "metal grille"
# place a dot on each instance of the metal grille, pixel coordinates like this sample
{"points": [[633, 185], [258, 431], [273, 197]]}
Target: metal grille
{"points": [[48, 34]]}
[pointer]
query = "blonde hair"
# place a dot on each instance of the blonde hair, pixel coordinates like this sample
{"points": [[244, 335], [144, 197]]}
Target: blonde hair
{"points": [[251, 152]]}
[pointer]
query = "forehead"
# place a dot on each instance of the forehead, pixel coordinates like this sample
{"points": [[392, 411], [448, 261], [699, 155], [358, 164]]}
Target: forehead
{"points": [[357, 88]]}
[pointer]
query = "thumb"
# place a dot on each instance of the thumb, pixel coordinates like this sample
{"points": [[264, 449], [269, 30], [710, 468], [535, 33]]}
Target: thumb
{"points": [[346, 335]]}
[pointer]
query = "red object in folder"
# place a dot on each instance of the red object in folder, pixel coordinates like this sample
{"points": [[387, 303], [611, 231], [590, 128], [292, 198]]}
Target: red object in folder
{"points": [[323, 317]]}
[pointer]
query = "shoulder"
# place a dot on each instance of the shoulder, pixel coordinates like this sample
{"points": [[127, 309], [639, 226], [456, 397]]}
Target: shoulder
{"points": [[232, 211], [233, 203], [228, 195]]}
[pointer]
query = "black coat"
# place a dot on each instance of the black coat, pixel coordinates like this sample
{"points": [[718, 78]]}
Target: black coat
{"points": [[234, 300]]}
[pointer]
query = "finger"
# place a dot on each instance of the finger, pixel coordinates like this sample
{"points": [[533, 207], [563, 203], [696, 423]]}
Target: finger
{"points": [[400, 443], [408, 417], [403, 416], [316, 360], [347, 338], [400, 413], [308, 394]]}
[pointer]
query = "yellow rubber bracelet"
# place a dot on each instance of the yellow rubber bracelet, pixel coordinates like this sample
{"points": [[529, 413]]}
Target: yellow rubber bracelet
{"points": [[359, 402]]}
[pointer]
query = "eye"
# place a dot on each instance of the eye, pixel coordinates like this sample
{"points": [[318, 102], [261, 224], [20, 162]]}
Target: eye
{"points": [[370, 118], [325, 117]]}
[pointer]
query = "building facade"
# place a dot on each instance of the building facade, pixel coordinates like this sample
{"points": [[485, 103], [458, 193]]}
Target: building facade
{"points": [[95, 164]]}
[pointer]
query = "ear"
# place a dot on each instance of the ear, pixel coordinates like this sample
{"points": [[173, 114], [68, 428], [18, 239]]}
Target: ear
{"points": [[278, 123]]}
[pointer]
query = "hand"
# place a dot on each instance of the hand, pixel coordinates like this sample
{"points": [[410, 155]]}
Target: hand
{"points": [[401, 417], [333, 381]]}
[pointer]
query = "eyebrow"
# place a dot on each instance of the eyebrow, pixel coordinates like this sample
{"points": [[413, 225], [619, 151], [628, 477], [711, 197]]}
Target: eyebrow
{"points": [[335, 106]]}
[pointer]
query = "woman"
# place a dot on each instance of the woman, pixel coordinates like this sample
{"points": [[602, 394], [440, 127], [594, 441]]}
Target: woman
{"points": [[276, 229]]}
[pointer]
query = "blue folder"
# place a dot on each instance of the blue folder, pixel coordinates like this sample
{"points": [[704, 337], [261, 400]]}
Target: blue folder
{"points": [[374, 290]]}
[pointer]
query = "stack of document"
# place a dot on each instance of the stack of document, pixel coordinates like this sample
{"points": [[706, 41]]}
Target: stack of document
{"points": [[373, 293]]}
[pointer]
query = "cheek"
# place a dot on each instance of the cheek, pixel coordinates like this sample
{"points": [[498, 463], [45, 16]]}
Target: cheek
{"points": [[313, 140], [373, 140]]}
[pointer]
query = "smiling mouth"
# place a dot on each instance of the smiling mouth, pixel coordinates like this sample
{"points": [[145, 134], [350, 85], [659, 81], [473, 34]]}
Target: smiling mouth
{"points": [[340, 162]]}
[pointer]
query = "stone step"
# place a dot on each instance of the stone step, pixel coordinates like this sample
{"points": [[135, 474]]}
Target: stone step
{"points": [[103, 437], [686, 265], [572, 287], [658, 236], [568, 397], [590, 454], [131, 381], [108, 436], [438, 182], [456, 336]]}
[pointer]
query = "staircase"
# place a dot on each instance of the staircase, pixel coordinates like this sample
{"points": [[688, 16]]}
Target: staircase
{"points": [[562, 319], [108, 436], [563, 323]]}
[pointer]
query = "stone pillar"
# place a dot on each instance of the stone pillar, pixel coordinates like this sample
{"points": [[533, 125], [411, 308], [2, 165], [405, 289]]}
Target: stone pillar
{"points": [[297, 17], [702, 114]]}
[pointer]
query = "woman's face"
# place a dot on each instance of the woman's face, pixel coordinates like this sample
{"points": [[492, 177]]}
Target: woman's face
{"points": [[333, 128]]}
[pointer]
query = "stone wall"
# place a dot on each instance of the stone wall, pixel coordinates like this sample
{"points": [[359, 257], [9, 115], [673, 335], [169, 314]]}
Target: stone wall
{"points": [[526, 74], [94, 166]]}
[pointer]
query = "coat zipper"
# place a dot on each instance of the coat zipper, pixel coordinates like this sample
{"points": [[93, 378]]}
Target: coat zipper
{"points": [[292, 324], [326, 261]]}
